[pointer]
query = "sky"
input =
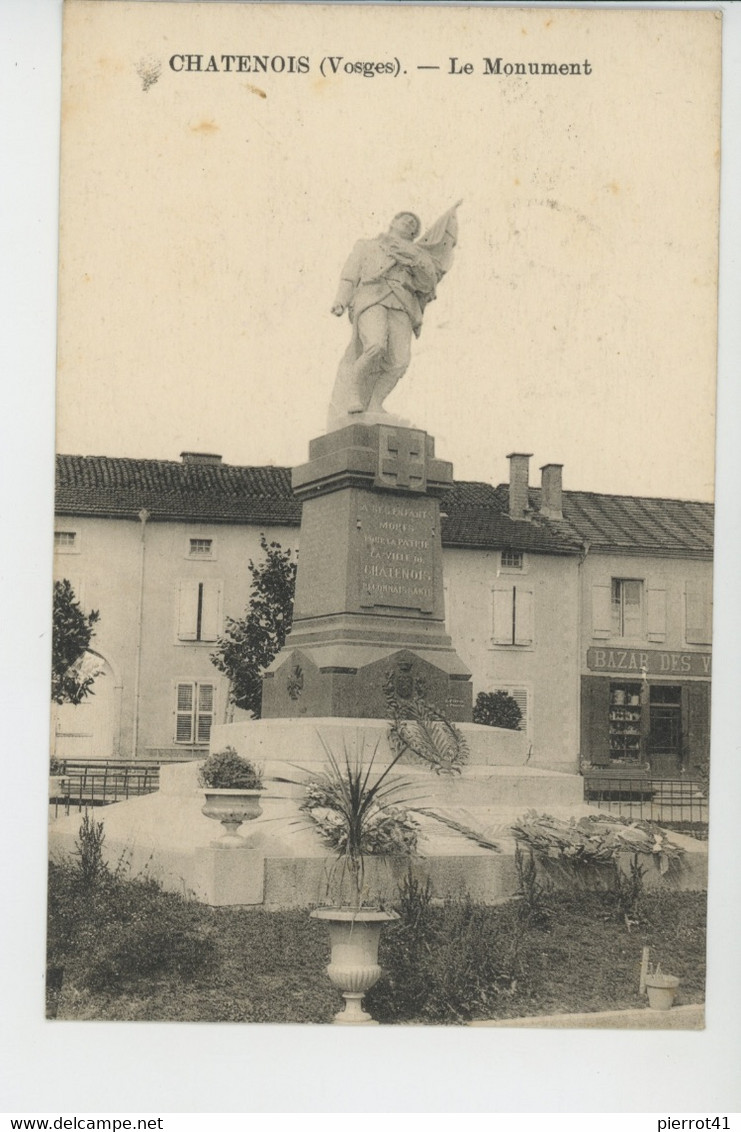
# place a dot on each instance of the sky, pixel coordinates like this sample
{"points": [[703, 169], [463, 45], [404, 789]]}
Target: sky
{"points": [[205, 222]]}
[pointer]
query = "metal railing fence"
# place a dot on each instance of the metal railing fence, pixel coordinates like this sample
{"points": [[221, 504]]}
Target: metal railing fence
{"points": [[82, 784], [679, 803]]}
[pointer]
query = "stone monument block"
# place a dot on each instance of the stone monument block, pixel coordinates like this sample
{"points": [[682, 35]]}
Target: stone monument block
{"points": [[369, 590]]}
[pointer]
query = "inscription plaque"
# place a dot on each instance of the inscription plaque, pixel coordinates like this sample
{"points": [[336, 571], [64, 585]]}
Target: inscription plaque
{"points": [[397, 558]]}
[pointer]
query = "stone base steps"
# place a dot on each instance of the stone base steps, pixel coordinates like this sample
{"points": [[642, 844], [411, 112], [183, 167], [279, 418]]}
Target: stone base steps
{"points": [[284, 863]]}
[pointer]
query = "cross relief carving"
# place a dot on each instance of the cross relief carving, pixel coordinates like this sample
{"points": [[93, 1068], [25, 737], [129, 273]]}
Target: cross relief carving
{"points": [[402, 458]]}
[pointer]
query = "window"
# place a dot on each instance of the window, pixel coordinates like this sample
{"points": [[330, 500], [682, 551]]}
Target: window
{"points": [[625, 723], [627, 607], [512, 560], [65, 542], [665, 735], [513, 616], [200, 548], [194, 713], [199, 611]]}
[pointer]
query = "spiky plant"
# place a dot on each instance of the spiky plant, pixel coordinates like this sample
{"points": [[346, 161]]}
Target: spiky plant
{"points": [[360, 810]]}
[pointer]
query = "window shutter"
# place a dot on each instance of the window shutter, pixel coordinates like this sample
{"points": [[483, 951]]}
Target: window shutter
{"points": [[184, 714], [205, 712], [520, 696], [697, 615], [523, 600], [595, 723], [188, 611], [211, 611], [657, 614], [503, 604], [601, 610]]}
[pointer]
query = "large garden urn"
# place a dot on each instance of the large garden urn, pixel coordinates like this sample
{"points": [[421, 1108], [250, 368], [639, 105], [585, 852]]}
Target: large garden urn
{"points": [[231, 807], [232, 786], [354, 936]]}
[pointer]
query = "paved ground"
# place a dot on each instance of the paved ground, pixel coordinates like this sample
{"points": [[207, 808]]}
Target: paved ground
{"points": [[691, 1017]]}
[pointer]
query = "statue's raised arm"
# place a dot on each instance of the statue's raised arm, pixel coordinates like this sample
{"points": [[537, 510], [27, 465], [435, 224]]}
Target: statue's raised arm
{"points": [[385, 286]]}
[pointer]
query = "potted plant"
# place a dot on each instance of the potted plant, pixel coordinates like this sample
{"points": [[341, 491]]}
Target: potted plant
{"points": [[232, 786], [360, 810], [357, 813]]}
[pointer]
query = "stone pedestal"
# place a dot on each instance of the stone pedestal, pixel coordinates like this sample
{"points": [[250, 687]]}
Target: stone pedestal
{"points": [[369, 592]]}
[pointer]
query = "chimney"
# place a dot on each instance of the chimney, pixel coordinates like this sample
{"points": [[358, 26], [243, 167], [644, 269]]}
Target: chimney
{"points": [[551, 491], [519, 503], [200, 458]]}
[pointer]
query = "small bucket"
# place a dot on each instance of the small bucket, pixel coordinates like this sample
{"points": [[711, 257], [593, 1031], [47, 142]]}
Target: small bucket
{"points": [[661, 990]]}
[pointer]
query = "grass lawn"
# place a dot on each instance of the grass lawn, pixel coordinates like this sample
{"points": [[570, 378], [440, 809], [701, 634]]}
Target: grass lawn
{"points": [[132, 952]]}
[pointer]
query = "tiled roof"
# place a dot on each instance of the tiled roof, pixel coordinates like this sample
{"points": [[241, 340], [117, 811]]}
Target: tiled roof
{"points": [[119, 488], [475, 514], [625, 524]]}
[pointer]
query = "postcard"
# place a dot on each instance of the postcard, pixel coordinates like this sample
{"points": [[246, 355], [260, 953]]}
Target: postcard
{"points": [[385, 433]]}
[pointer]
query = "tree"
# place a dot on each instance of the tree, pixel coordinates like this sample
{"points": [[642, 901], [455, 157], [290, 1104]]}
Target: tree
{"points": [[72, 631], [497, 709], [250, 643]]}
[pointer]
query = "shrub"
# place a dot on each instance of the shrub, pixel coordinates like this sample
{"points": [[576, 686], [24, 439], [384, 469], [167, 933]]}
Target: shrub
{"points": [[108, 930], [534, 907], [72, 631], [630, 892], [445, 964], [497, 709], [405, 949], [92, 868], [226, 770], [251, 642]]}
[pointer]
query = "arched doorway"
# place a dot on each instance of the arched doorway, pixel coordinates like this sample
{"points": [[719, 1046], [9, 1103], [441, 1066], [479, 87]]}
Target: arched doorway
{"points": [[88, 730]]}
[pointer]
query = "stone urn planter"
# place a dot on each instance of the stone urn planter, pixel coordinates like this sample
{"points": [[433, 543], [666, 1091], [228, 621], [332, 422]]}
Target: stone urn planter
{"points": [[661, 990], [231, 807], [233, 788], [354, 936]]}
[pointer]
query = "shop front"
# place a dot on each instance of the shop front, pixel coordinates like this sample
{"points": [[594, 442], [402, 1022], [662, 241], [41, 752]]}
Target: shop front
{"points": [[646, 711]]}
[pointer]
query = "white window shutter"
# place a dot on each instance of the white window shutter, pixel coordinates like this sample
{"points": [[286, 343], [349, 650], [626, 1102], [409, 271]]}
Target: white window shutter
{"points": [[188, 610], [601, 610], [184, 713], [502, 628], [205, 712], [211, 611], [697, 615], [519, 695], [656, 614], [524, 608]]}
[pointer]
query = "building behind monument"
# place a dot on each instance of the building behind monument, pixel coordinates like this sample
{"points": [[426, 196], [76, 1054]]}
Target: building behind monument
{"points": [[593, 611]]}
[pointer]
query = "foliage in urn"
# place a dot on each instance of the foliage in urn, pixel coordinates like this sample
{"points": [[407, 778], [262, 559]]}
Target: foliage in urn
{"points": [[387, 829], [226, 770], [72, 631], [358, 810], [250, 643], [497, 709]]}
